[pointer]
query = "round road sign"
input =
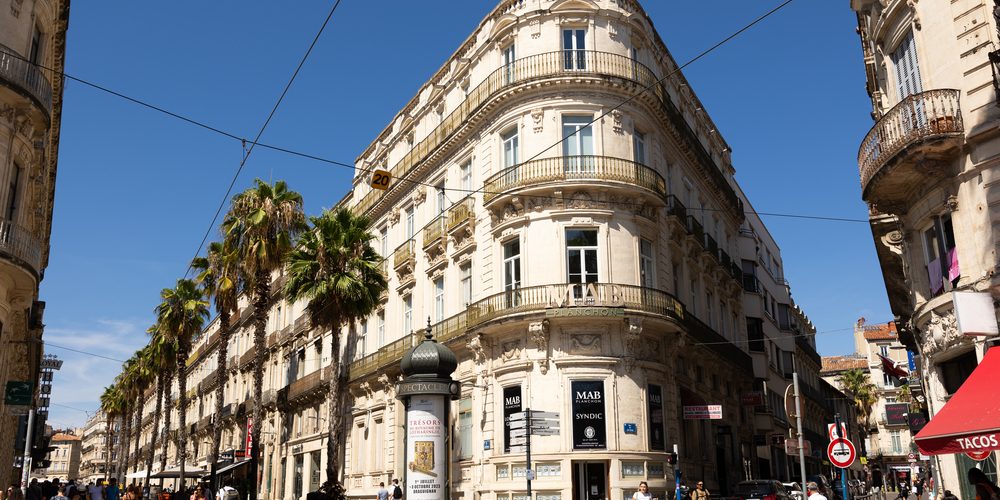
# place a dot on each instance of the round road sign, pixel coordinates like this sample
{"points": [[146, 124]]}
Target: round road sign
{"points": [[841, 453], [978, 456]]}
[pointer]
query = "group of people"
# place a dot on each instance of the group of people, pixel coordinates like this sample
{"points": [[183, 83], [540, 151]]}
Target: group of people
{"points": [[70, 490], [698, 493], [384, 494]]}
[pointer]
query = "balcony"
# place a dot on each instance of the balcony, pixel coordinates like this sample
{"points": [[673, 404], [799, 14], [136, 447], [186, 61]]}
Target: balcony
{"points": [[307, 386], [17, 243], [909, 147], [533, 175], [560, 67], [404, 259], [462, 215], [433, 232], [269, 397], [696, 230], [247, 358], [25, 77], [209, 381]]}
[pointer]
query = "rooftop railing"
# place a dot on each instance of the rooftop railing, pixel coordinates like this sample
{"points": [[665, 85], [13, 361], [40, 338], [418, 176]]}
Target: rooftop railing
{"points": [[19, 243]]}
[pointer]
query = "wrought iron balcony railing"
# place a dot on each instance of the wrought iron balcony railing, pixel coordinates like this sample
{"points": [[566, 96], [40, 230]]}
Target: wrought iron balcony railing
{"points": [[18, 243], [573, 168], [404, 254], [25, 76], [434, 231], [575, 64], [461, 213], [920, 117]]}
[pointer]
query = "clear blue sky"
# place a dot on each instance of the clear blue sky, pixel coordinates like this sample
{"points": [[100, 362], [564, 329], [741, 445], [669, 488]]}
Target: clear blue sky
{"points": [[136, 189]]}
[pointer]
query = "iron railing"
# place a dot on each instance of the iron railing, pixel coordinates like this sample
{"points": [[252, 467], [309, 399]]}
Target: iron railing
{"points": [[573, 168], [26, 76], [433, 232], [461, 212], [405, 253], [575, 64], [916, 118], [18, 242]]}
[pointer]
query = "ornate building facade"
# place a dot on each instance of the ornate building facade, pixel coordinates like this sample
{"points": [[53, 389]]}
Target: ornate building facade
{"points": [[927, 170], [32, 36], [606, 273]]}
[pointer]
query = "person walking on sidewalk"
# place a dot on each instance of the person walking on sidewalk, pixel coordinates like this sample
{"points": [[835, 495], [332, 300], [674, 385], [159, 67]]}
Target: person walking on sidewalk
{"points": [[812, 489], [700, 493]]}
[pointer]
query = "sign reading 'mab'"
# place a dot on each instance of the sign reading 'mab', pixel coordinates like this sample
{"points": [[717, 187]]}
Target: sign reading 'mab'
{"points": [[511, 405], [589, 426]]}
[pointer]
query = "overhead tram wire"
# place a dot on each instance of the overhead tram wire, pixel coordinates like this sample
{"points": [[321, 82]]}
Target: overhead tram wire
{"points": [[300, 154], [263, 127]]}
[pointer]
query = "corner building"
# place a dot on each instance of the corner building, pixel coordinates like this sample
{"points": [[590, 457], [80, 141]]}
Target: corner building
{"points": [[601, 279], [929, 175]]}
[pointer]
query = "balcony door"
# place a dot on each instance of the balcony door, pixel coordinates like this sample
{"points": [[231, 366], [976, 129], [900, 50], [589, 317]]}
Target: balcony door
{"points": [[574, 49], [578, 145], [581, 259], [904, 60]]}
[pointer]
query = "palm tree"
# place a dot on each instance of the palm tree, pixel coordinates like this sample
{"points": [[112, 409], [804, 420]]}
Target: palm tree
{"points": [[260, 227], [218, 279], [859, 387], [143, 376], [111, 406], [162, 356], [126, 388], [181, 315], [337, 270]]}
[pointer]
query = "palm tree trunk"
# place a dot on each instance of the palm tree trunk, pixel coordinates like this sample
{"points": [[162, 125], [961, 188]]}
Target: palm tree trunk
{"points": [[260, 306], [108, 439], [220, 392], [334, 418], [168, 403], [138, 432], [182, 355], [123, 440], [156, 425]]}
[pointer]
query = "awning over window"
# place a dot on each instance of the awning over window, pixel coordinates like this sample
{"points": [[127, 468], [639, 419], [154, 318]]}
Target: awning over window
{"points": [[970, 420], [229, 467]]}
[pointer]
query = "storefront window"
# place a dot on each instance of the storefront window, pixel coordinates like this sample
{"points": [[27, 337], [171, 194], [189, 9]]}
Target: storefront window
{"points": [[297, 491], [633, 469], [315, 468]]}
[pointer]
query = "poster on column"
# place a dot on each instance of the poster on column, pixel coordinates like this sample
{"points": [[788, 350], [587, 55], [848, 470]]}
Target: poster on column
{"points": [[589, 427], [511, 405], [425, 451]]}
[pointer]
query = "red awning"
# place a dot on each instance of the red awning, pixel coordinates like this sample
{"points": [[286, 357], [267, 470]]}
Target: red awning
{"points": [[970, 420]]}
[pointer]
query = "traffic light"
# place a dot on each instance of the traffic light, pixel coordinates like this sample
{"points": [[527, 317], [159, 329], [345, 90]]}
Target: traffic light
{"points": [[672, 458]]}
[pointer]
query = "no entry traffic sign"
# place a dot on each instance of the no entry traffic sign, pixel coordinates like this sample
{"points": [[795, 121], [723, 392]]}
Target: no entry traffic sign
{"points": [[841, 453]]}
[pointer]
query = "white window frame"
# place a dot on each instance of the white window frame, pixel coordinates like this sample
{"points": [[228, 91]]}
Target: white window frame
{"points": [[574, 45], [639, 147], [441, 197], [380, 324], [647, 264], [584, 250], [410, 222], [407, 314], [508, 55], [465, 272], [511, 265], [509, 146], [576, 129], [439, 299], [466, 175]]}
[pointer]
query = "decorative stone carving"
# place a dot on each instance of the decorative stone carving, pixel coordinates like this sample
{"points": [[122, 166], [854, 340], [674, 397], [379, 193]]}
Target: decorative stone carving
{"points": [[613, 30], [630, 336], [419, 195], [539, 333], [388, 389], [616, 121], [585, 343], [536, 120], [951, 202], [511, 350], [394, 216], [940, 332], [535, 28], [475, 344], [15, 8]]}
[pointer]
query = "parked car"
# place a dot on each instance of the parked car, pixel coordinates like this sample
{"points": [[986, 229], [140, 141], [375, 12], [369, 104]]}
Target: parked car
{"points": [[794, 490], [825, 487], [763, 489]]}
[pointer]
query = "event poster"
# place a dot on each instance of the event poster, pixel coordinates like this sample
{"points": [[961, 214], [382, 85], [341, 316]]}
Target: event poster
{"points": [[511, 405], [655, 407], [589, 427], [426, 456]]}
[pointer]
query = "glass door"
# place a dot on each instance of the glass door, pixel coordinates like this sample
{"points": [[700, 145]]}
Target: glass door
{"points": [[578, 145]]}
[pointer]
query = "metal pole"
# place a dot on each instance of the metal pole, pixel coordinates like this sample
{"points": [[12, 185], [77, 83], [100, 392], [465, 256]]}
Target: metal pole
{"points": [[677, 474], [798, 425], [843, 472], [26, 460], [527, 447]]}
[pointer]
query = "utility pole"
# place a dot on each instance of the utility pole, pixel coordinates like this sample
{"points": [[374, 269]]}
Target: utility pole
{"points": [[527, 448], [798, 425], [677, 474], [843, 472], [26, 460]]}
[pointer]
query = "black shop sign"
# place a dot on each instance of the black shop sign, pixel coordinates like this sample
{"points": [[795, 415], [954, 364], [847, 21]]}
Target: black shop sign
{"points": [[511, 405], [654, 397], [589, 428]]}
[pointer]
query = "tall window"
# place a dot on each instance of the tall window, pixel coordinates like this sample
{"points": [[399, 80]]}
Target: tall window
{"points": [[512, 270], [724, 319], [439, 299], [574, 49], [465, 428], [466, 274], [578, 147], [298, 475], [466, 171], [363, 339], [676, 275], [647, 275], [442, 200], [709, 303], [384, 241], [407, 314], [897, 442], [380, 323], [509, 57], [409, 223], [509, 140], [581, 257], [639, 147], [904, 60], [13, 192], [941, 255], [35, 52]]}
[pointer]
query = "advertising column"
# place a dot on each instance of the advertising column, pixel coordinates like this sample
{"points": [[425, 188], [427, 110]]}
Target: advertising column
{"points": [[426, 454]]}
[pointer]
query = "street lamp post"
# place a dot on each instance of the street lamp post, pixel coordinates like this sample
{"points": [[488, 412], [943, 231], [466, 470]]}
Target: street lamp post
{"points": [[426, 391]]}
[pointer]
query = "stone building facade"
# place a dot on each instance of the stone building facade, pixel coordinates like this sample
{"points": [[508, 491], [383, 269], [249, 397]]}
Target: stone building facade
{"points": [[610, 264], [93, 449], [64, 458], [32, 36], [928, 172]]}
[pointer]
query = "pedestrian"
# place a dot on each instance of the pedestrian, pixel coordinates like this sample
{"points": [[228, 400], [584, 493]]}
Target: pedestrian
{"points": [[60, 494], [34, 491], [700, 493], [14, 492], [112, 492], [227, 492], [209, 494], [643, 493], [383, 494], [95, 491], [397, 492], [948, 495], [985, 490], [812, 490], [919, 486]]}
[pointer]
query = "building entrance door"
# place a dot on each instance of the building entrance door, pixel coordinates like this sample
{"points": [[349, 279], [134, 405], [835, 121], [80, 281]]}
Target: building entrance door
{"points": [[590, 480]]}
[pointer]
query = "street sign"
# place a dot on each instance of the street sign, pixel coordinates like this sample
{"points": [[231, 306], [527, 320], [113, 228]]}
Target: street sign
{"points": [[18, 393], [792, 446], [544, 424], [702, 412], [543, 414], [380, 179], [518, 440], [516, 416], [830, 431], [518, 449], [912, 458], [544, 432], [518, 424], [841, 453], [979, 456], [518, 432]]}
